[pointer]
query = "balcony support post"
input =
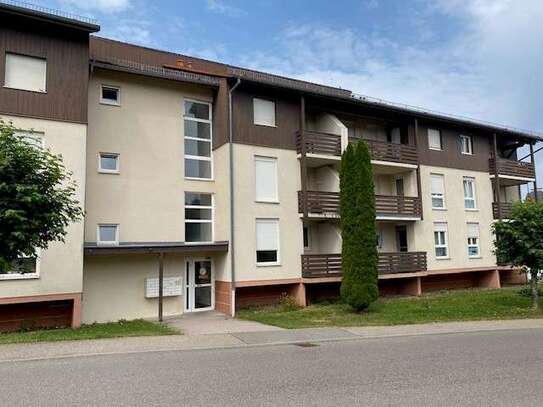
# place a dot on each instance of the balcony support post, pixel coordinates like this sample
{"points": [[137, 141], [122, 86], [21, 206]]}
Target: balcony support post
{"points": [[496, 176], [532, 159], [303, 161], [416, 127]]}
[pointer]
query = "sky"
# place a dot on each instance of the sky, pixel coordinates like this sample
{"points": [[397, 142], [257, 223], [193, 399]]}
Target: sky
{"points": [[476, 58]]}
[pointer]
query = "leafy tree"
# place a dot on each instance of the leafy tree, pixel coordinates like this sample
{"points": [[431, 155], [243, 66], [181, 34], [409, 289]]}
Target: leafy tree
{"points": [[357, 206], [519, 241], [37, 198]]}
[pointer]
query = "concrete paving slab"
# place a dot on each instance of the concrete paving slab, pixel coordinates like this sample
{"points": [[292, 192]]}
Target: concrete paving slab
{"points": [[212, 322], [294, 335], [445, 327]]}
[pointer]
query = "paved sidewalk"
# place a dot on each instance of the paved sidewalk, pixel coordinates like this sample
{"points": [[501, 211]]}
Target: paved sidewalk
{"points": [[246, 339]]}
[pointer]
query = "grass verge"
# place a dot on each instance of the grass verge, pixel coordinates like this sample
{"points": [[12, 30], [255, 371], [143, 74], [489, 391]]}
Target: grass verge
{"points": [[465, 305], [137, 327]]}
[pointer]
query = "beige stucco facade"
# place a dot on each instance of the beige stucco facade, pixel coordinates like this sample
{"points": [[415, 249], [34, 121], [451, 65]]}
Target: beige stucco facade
{"points": [[61, 265], [247, 210], [456, 217]]}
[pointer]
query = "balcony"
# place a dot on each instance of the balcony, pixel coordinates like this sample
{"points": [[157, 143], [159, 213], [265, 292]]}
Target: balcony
{"points": [[326, 205], [514, 170], [329, 265], [404, 155], [319, 148], [505, 209]]}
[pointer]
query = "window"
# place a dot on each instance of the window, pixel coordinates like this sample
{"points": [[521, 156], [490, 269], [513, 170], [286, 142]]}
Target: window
{"points": [[197, 124], [267, 241], [440, 240], [379, 239], [24, 267], [266, 179], [469, 193], [198, 217], [438, 191], [108, 163], [466, 145], [434, 139], [307, 237], [264, 112], [473, 240], [35, 139], [108, 234], [25, 73], [110, 95]]}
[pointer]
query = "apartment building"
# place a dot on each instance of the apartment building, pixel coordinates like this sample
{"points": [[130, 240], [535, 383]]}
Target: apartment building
{"points": [[208, 186]]}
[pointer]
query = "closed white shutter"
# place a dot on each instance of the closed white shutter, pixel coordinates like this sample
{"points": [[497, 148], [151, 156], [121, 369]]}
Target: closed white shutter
{"points": [[26, 73], [264, 112], [266, 179], [473, 230], [267, 234], [434, 139], [437, 184]]}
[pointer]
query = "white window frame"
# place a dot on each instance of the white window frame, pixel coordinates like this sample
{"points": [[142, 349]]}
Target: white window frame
{"points": [[24, 276], [110, 102], [7, 54], [474, 243], [441, 227], [274, 112], [469, 144], [278, 261], [440, 140], [473, 189], [105, 170], [273, 160], [107, 243], [212, 207], [210, 140], [436, 195]]}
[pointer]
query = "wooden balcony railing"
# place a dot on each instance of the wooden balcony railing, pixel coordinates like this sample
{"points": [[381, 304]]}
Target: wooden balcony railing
{"points": [[512, 168], [318, 143], [505, 209], [319, 202], [329, 265], [394, 205], [393, 152]]}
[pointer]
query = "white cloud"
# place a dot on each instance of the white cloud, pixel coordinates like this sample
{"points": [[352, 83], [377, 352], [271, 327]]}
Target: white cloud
{"points": [[220, 7], [105, 6], [131, 30]]}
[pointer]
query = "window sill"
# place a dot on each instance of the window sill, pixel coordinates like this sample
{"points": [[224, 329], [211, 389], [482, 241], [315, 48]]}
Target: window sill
{"points": [[265, 125], [443, 258], [439, 209], [471, 209], [109, 172], [43, 92], [268, 264], [475, 257], [466, 153], [106, 103], [266, 202], [30, 276], [199, 179], [435, 149]]}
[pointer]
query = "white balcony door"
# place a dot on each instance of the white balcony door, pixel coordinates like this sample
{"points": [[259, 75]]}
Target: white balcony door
{"points": [[199, 289]]}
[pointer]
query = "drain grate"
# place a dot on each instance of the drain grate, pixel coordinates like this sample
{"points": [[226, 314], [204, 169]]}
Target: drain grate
{"points": [[305, 344]]}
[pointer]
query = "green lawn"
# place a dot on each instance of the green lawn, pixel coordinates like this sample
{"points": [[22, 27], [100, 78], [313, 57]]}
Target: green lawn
{"points": [[462, 305], [94, 331]]}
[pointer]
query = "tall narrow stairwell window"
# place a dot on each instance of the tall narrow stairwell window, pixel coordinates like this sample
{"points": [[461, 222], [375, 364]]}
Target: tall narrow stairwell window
{"points": [[197, 126]]}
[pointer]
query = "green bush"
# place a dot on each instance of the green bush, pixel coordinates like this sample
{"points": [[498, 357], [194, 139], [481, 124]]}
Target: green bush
{"points": [[357, 206]]}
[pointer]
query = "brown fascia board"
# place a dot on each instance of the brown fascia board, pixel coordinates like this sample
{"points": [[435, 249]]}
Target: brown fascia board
{"points": [[183, 63], [51, 16]]}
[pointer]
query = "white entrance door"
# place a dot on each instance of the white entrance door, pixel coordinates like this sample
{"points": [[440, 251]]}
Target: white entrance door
{"points": [[199, 291]]}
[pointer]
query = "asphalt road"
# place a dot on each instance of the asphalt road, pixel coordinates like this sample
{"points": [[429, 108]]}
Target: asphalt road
{"points": [[477, 369]]}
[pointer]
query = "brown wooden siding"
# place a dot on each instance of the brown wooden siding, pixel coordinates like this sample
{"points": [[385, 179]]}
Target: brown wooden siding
{"points": [[34, 315], [67, 55], [512, 168], [505, 209], [451, 156], [287, 119]]}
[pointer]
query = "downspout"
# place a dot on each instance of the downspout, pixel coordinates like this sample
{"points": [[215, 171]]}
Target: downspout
{"points": [[231, 175]]}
